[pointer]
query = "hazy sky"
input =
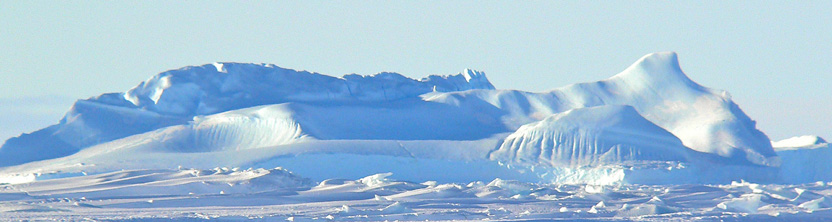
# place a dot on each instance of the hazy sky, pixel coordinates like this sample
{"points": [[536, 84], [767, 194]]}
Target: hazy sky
{"points": [[773, 57]]}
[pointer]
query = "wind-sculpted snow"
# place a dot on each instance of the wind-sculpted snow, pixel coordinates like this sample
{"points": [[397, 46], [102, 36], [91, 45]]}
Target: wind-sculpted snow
{"points": [[235, 130], [591, 136], [278, 195]]}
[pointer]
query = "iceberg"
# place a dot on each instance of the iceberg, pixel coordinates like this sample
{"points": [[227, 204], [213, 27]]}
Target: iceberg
{"points": [[259, 115]]}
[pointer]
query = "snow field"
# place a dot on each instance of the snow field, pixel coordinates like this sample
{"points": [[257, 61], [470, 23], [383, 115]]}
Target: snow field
{"points": [[276, 194]]}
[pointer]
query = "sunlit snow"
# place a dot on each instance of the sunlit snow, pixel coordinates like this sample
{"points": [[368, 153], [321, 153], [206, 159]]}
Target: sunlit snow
{"points": [[256, 141]]}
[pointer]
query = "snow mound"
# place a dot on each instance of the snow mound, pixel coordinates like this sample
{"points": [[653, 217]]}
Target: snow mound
{"points": [[798, 141], [591, 136], [276, 195], [234, 130]]}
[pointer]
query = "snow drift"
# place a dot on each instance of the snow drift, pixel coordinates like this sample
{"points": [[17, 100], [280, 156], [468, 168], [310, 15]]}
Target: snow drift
{"points": [[277, 195]]}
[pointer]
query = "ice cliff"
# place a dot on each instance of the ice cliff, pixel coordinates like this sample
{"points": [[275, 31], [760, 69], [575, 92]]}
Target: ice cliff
{"points": [[591, 136]]}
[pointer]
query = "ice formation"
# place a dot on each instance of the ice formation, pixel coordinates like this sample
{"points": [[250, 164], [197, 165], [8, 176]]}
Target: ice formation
{"points": [[798, 141], [177, 96], [650, 115], [805, 159], [277, 195], [636, 146], [591, 136]]}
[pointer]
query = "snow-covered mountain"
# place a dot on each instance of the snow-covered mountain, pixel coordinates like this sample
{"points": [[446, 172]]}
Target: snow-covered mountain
{"points": [[205, 116]]}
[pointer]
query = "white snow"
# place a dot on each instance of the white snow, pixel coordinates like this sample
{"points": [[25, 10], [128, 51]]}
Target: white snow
{"points": [[365, 107], [387, 147], [798, 141], [262, 194], [705, 120]]}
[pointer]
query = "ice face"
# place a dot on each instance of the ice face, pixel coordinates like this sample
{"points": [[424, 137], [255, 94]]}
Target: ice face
{"points": [[591, 136]]}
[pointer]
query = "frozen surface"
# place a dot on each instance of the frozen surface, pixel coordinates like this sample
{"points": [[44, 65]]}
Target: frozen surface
{"points": [[262, 194], [216, 141], [246, 106]]}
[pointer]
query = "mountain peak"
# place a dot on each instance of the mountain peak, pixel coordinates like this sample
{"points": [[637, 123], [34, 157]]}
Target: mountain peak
{"points": [[659, 60], [658, 68], [477, 79]]}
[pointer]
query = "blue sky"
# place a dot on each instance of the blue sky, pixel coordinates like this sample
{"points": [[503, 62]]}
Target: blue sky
{"points": [[772, 56]]}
